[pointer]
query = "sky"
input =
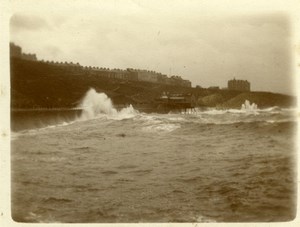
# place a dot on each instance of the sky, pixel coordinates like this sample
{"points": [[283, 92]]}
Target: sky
{"points": [[203, 42]]}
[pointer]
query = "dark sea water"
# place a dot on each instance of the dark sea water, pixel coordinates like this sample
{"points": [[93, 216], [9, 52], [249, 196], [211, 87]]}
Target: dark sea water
{"points": [[126, 166]]}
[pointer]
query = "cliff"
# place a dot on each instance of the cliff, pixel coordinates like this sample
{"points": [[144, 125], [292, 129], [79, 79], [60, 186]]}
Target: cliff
{"points": [[36, 84]]}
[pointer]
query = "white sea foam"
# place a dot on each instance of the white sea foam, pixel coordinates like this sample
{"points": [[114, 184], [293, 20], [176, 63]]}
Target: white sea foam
{"points": [[125, 113], [157, 123], [163, 127], [246, 107], [59, 125], [16, 135]]}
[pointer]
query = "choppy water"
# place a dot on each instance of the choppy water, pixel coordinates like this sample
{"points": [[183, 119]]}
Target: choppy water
{"points": [[126, 166]]}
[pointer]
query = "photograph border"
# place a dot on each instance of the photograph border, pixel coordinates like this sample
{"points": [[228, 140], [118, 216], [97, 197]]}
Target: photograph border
{"points": [[5, 138]]}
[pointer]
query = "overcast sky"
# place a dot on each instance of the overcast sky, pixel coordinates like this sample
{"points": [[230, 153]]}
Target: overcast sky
{"points": [[171, 37]]}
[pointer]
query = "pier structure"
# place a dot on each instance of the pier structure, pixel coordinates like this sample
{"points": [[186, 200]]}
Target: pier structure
{"points": [[178, 102]]}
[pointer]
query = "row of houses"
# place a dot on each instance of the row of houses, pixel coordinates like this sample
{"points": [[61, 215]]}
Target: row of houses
{"points": [[128, 74]]}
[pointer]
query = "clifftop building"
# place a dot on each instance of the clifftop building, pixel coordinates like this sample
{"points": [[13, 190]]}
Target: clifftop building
{"points": [[16, 51], [238, 85]]}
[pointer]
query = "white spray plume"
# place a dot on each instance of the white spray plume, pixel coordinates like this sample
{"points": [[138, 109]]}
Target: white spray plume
{"points": [[94, 104], [247, 106]]}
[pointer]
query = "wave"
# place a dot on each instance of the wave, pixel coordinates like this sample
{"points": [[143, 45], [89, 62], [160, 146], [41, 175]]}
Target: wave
{"points": [[215, 111], [248, 113], [246, 109], [171, 122], [95, 105], [162, 127]]}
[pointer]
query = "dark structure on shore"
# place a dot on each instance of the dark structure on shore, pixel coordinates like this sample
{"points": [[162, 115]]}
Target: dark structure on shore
{"points": [[238, 85], [172, 101]]}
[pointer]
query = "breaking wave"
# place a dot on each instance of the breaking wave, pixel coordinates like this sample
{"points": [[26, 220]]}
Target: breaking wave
{"points": [[248, 113], [96, 104]]}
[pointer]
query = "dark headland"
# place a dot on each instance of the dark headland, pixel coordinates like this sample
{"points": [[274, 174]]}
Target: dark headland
{"points": [[40, 84]]}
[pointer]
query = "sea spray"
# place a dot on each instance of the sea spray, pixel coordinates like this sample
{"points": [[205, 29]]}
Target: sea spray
{"points": [[247, 106], [94, 104]]}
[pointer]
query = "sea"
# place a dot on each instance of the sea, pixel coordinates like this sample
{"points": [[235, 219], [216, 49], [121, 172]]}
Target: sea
{"points": [[109, 165]]}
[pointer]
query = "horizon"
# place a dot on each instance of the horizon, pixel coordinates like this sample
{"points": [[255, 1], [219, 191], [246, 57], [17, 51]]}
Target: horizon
{"points": [[206, 49]]}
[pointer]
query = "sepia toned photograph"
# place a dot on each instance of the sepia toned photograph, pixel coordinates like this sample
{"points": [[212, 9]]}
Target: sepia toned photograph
{"points": [[151, 112]]}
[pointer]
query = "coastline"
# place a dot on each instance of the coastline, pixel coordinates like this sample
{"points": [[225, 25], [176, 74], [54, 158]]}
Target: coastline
{"points": [[35, 85]]}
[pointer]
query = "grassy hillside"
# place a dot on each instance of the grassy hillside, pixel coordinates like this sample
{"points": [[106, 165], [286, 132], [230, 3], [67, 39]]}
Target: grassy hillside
{"points": [[262, 99]]}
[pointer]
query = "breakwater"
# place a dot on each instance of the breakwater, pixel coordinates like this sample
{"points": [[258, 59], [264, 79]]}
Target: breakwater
{"points": [[24, 119]]}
